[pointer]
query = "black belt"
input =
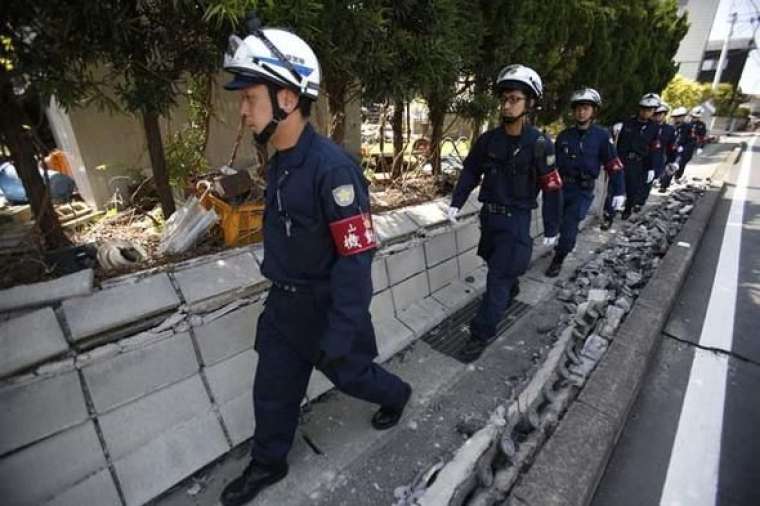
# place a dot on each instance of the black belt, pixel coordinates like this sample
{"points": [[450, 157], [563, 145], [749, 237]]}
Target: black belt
{"points": [[314, 287], [496, 208]]}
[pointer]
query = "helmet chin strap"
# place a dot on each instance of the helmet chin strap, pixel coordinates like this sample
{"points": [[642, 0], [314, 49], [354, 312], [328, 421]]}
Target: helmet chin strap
{"points": [[508, 120], [277, 115]]}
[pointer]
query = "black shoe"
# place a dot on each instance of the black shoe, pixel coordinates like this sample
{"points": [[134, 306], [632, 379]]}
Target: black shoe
{"points": [[636, 208], [515, 290], [474, 348], [555, 266], [386, 417], [254, 479], [662, 189], [626, 214], [606, 222]]}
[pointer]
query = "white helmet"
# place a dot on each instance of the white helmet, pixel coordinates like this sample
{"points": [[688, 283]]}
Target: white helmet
{"points": [[273, 55], [662, 108], [521, 77], [696, 112], [679, 112], [586, 96], [650, 100]]}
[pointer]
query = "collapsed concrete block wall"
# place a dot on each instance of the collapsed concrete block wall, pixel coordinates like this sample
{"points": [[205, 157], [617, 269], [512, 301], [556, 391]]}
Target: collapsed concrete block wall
{"points": [[111, 395]]}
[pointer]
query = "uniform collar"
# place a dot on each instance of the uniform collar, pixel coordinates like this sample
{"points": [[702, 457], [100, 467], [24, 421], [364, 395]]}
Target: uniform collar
{"points": [[294, 157]]}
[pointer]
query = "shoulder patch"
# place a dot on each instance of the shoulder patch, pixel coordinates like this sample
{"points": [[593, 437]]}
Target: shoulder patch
{"points": [[344, 195]]}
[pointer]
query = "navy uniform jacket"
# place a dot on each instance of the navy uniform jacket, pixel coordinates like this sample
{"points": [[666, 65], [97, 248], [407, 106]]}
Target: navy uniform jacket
{"points": [[637, 142], [700, 132], [686, 138], [512, 174], [668, 147], [582, 153], [318, 237]]}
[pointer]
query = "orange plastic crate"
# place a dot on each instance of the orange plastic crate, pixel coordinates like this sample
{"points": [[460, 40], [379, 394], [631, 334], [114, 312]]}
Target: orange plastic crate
{"points": [[240, 224]]}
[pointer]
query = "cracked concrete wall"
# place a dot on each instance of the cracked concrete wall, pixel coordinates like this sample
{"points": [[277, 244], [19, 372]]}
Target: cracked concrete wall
{"points": [[144, 380]]}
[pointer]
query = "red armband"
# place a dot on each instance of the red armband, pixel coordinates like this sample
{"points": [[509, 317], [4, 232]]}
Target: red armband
{"points": [[353, 235], [613, 165], [551, 182]]}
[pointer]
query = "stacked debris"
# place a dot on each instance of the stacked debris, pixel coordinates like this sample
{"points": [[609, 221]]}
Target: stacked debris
{"points": [[596, 300]]}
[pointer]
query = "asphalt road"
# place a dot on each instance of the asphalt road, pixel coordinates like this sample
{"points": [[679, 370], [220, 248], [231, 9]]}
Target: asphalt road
{"points": [[693, 436]]}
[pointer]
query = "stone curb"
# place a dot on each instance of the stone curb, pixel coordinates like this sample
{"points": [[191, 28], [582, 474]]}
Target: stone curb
{"points": [[568, 469]]}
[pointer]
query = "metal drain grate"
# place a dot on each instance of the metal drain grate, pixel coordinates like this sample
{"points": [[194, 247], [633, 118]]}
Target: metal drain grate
{"points": [[450, 336]]}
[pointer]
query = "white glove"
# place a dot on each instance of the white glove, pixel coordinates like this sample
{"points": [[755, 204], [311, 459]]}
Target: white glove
{"points": [[699, 151], [550, 241], [452, 213], [618, 202], [616, 128], [650, 176]]}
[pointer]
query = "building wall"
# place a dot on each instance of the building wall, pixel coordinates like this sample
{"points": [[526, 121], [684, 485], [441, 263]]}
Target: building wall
{"points": [[701, 14], [105, 147]]}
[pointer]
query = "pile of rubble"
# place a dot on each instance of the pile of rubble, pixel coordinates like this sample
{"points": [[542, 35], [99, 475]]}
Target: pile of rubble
{"points": [[596, 301]]}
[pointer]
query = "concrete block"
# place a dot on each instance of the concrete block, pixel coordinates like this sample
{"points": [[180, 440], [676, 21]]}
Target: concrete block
{"points": [[410, 291], [427, 214], [469, 261], [229, 335], [47, 292], [58, 463], [443, 274], [133, 374], [219, 277], [423, 315], [467, 236], [166, 460], [29, 339], [477, 279], [393, 226], [131, 426], [439, 248], [567, 469], [34, 410], [614, 385], [96, 489], [379, 274], [392, 337], [405, 264], [455, 295], [472, 206], [232, 377], [382, 306], [119, 305], [318, 384], [238, 417]]}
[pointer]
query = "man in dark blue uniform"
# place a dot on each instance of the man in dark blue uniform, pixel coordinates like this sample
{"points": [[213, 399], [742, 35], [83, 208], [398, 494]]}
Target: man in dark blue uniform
{"points": [[700, 129], [636, 140], [684, 142], [512, 163], [582, 151], [318, 249], [665, 158]]}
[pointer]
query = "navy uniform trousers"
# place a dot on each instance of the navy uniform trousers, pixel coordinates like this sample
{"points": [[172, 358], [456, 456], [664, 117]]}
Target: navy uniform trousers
{"points": [[283, 370], [576, 203], [506, 246]]}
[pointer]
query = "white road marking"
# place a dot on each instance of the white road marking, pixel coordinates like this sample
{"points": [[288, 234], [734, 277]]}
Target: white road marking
{"points": [[692, 478]]}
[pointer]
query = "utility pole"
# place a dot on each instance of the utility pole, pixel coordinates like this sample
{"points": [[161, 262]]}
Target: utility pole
{"points": [[724, 52]]}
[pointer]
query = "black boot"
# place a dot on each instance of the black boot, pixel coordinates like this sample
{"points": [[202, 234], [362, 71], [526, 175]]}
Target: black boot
{"points": [[607, 221], [555, 266], [626, 213], [386, 417], [254, 479]]}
